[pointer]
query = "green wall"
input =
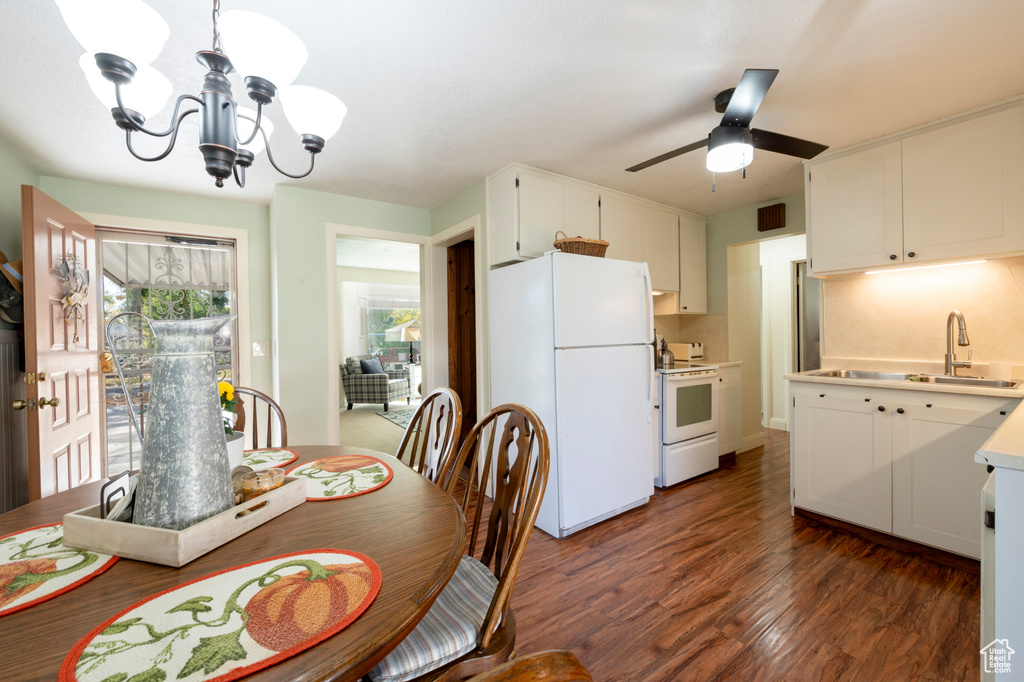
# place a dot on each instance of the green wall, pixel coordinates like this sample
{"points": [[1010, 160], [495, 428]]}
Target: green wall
{"points": [[299, 222], [738, 227], [466, 204], [13, 174]]}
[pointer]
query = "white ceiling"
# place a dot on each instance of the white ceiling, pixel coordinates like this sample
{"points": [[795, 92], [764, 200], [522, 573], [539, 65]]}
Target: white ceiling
{"points": [[377, 254], [443, 92]]}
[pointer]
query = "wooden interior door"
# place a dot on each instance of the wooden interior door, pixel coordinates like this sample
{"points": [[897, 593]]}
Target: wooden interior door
{"points": [[462, 330], [62, 374]]}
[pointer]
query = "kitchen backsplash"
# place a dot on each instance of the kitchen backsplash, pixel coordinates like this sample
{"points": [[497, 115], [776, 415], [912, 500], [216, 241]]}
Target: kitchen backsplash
{"points": [[706, 329], [900, 317]]}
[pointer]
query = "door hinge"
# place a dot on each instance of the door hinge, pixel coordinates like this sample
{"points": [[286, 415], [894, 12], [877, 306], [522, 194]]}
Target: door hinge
{"points": [[812, 264], [990, 519], [517, 247], [808, 177], [794, 493], [599, 202], [794, 401], [517, 182]]}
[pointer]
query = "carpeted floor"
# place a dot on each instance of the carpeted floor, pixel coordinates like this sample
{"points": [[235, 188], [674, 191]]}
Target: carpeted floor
{"points": [[398, 417], [361, 427]]}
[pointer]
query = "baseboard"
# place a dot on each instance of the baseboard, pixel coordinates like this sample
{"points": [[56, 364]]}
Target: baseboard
{"points": [[779, 424], [754, 440], [891, 541]]}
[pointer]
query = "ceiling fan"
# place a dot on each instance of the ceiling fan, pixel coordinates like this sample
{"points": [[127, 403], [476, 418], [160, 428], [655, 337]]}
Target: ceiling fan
{"points": [[731, 144]]}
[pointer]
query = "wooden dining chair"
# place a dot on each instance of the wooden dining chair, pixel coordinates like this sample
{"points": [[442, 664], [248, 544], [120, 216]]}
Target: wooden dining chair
{"points": [[251, 402], [433, 433], [546, 666], [470, 627]]}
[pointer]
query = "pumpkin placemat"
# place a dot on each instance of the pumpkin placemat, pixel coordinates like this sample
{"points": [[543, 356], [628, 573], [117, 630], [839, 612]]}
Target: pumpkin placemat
{"points": [[229, 624], [36, 566], [335, 478], [268, 458]]}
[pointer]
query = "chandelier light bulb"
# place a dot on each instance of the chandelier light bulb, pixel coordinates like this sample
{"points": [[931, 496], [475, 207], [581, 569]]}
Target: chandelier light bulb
{"points": [[127, 28], [147, 93], [312, 111], [259, 46]]}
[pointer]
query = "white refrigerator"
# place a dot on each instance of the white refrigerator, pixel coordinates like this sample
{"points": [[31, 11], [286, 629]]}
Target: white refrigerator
{"points": [[571, 338]]}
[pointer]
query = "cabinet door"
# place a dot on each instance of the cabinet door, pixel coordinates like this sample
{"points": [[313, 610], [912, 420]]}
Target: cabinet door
{"points": [[540, 213], [962, 188], [693, 280], [730, 414], [856, 210], [620, 227], [936, 482], [842, 458], [659, 241], [581, 212]]}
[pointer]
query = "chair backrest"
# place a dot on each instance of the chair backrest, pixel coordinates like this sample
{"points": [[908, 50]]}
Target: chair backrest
{"points": [[550, 666], [273, 428], [515, 466], [430, 439]]}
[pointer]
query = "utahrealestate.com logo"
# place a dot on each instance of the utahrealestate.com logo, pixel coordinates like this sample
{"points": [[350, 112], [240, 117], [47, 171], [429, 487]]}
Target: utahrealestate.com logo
{"points": [[995, 658]]}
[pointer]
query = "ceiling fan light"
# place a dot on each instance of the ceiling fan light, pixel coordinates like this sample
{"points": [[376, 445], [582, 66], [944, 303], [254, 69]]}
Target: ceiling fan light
{"points": [[128, 28], [729, 149], [260, 46], [147, 93], [312, 111]]}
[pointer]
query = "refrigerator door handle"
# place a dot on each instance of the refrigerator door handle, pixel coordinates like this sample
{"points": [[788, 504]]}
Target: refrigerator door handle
{"points": [[650, 383], [649, 289]]}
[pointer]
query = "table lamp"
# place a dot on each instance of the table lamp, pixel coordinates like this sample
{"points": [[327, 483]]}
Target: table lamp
{"points": [[410, 334]]}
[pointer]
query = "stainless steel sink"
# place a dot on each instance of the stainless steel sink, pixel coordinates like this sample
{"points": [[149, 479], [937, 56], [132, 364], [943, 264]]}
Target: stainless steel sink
{"points": [[862, 374], [963, 381]]}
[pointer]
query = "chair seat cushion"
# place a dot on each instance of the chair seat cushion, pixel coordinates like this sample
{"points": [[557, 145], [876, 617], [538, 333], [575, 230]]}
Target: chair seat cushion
{"points": [[448, 631]]}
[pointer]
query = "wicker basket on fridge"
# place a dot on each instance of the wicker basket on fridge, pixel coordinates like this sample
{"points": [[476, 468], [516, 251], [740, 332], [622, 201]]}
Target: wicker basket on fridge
{"points": [[580, 245]]}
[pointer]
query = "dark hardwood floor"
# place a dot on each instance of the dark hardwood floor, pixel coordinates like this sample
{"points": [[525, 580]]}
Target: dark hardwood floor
{"points": [[714, 580]]}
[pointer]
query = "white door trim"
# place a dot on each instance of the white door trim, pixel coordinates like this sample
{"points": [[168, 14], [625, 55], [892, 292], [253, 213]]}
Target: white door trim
{"points": [[331, 233]]}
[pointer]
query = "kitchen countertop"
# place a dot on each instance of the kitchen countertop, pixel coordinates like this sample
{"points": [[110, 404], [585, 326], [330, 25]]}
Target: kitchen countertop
{"points": [[1005, 447], [914, 386]]}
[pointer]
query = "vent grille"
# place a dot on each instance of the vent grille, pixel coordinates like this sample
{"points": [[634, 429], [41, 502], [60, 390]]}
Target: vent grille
{"points": [[771, 217]]}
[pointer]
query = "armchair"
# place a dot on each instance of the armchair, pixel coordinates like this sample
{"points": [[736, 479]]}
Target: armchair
{"points": [[373, 388]]}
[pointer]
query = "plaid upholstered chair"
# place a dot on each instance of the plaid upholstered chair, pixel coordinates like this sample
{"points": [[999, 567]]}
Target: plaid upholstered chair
{"points": [[384, 388]]}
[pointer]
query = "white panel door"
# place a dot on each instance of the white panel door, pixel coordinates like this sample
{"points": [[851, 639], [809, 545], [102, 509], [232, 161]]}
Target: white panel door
{"points": [[604, 437], [600, 302], [962, 188], [856, 210], [620, 227]]}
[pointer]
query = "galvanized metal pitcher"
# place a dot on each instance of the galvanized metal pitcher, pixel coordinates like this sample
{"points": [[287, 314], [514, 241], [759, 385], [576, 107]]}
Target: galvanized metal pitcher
{"points": [[185, 476]]}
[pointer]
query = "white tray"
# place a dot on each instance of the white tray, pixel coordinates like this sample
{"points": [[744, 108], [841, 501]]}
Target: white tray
{"points": [[84, 529]]}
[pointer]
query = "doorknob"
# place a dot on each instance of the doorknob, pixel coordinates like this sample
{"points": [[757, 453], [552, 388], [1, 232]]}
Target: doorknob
{"points": [[42, 376], [19, 404], [52, 402]]}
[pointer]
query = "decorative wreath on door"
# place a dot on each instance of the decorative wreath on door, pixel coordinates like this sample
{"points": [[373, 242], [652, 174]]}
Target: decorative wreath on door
{"points": [[76, 291]]}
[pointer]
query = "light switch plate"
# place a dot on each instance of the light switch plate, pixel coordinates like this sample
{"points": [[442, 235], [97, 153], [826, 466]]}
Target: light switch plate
{"points": [[260, 349]]}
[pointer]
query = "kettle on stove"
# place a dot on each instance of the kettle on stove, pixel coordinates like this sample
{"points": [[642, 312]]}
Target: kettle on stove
{"points": [[666, 358]]}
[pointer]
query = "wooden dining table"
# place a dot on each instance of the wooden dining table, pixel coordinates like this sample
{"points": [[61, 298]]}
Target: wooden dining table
{"points": [[413, 531]]}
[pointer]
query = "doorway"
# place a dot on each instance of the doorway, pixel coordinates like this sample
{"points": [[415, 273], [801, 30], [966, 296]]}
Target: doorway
{"points": [[462, 330]]}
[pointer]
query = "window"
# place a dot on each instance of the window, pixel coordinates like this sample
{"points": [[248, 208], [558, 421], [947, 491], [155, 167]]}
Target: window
{"points": [[161, 278], [392, 323]]}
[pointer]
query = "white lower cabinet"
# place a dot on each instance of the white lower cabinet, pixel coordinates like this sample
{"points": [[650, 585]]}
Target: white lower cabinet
{"points": [[730, 410], [897, 461]]}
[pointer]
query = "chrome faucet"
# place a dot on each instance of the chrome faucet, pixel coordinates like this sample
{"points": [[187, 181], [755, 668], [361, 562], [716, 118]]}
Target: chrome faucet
{"points": [[951, 362]]}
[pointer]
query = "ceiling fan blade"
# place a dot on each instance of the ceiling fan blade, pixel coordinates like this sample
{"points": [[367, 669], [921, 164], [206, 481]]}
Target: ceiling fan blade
{"points": [[747, 96], [668, 155], [784, 144]]}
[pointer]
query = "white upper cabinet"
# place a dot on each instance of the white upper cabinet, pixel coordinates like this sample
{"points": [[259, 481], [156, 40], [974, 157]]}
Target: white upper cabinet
{"points": [[620, 227], [963, 188], [949, 192], [526, 208], [659, 247], [855, 205], [693, 278]]}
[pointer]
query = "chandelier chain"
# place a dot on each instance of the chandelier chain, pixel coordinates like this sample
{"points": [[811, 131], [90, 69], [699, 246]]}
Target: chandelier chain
{"points": [[216, 31]]}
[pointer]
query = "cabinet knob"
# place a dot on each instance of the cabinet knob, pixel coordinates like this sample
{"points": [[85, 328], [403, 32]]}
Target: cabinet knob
{"points": [[684, 307], [911, 254], [881, 408], [899, 410], [892, 256]]}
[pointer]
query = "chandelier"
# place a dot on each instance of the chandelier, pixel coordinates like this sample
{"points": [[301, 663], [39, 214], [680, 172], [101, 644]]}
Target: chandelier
{"points": [[122, 38]]}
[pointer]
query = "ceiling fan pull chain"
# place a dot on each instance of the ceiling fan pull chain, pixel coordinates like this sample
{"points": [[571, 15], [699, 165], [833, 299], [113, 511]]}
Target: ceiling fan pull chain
{"points": [[744, 173], [712, 181]]}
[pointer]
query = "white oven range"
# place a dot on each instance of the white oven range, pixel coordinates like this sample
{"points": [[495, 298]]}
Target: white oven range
{"points": [[688, 433]]}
